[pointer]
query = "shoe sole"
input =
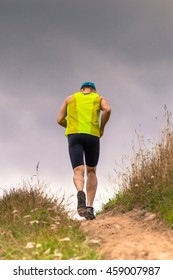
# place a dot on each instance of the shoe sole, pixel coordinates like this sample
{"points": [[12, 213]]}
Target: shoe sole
{"points": [[89, 217], [82, 212], [90, 214]]}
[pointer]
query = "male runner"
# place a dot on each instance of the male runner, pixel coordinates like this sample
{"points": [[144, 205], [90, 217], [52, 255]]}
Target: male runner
{"points": [[80, 115]]}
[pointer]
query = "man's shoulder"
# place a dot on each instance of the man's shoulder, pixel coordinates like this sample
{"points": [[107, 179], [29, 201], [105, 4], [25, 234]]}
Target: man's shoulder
{"points": [[76, 93], [68, 99]]}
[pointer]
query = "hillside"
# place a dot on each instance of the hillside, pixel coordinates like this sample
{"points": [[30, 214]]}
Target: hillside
{"points": [[134, 224], [134, 235]]}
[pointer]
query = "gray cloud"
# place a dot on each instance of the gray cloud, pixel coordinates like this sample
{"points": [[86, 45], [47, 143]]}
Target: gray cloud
{"points": [[48, 48]]}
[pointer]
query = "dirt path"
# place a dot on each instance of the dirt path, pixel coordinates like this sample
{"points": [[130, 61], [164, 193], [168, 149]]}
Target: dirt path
{"points": [[131, 236]]}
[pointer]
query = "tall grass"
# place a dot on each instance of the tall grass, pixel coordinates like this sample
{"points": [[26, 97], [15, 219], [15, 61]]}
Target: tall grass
{"points": [[36, 225], [148, 183]]}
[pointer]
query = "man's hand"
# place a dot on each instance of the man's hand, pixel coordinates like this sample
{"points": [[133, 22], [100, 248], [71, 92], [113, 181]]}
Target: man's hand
{"points": [[101, 132], [105, 115]]}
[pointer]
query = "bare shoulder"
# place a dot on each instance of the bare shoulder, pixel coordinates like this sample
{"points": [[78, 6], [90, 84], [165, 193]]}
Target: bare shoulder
{"points": [[104, 103], [103, 99], [68, 99]]}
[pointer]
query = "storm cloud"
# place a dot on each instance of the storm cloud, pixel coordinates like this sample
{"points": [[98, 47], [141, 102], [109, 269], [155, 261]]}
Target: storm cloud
{"points": [[49, 47]]}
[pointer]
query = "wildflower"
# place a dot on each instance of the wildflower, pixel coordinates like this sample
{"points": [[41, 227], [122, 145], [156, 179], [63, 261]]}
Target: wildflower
{"points": [[53, 227], [15, 212], [26, 216], [57, 254], [30, 245], [34, 210], [95, 241], [38, 245], [64, 239], [152, 177], [47, 252], [34, 222]]}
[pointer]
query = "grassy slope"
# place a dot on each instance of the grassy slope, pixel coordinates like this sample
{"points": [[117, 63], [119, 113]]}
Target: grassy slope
{"points": [[148, 183], [36, 226]]}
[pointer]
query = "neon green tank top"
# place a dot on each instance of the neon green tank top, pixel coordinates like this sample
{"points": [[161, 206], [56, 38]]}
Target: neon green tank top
{"points": [[83, 113]]}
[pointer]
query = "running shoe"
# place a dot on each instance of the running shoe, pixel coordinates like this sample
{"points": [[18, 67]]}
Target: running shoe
{"points": [[81, 206], [90, 213]]}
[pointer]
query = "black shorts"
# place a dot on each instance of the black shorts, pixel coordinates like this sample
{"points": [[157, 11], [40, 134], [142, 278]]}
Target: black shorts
{"points": [[83, 149]]}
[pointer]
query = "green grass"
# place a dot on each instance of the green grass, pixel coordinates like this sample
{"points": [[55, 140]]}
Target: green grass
{"points": [[36, 226], [148, 183]]}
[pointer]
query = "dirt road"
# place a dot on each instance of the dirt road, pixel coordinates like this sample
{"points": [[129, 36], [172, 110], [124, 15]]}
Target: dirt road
{"points": [[135, 235]]}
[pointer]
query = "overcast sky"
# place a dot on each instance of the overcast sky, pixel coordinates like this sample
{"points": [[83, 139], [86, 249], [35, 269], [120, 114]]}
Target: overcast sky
{"points": [[48, 48]]}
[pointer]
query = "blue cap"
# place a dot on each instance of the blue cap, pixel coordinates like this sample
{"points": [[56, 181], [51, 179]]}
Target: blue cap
{"points": [[88, 84]]}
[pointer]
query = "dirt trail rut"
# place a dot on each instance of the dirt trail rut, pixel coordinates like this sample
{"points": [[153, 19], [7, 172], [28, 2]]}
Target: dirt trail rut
{"points": [[135, 235]]}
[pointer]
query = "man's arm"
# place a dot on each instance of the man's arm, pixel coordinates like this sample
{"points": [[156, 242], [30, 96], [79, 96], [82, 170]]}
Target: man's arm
{"points": [[105, 107], [61, 118]]}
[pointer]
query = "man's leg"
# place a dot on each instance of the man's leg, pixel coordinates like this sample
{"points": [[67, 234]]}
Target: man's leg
{"points": [[78, 177], [92, 149], [91, 185], [76, 155]]}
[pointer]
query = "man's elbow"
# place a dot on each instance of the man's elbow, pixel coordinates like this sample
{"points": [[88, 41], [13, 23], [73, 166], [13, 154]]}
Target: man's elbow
{"points": [[108, 110], [59, 120], [62, 122]]}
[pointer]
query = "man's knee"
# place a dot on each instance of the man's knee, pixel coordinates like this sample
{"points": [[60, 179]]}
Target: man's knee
{"points": [[79, 170], [91, 170]]}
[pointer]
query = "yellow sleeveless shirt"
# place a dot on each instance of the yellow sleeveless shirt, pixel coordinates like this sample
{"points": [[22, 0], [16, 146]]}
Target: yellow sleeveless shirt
{"points": [[83, 113]]}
